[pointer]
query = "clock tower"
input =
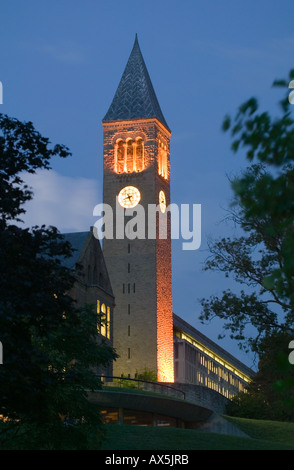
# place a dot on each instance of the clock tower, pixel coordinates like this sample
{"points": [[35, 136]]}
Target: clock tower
{"points": [[136, 177]]}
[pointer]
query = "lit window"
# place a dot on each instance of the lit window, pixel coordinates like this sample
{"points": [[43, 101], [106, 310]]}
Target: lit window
{"points": [[108, 323], [102, 320], [130, 159], [120, 157], [162, 160], [129, 155], [139, 155]]}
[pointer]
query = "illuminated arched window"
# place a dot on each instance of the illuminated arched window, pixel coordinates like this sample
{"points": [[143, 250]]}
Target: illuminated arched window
{"points": [[130, 159], [162, 160], [108, 323], [129, 155], [120, 156], [139, 155], [103, 320]]}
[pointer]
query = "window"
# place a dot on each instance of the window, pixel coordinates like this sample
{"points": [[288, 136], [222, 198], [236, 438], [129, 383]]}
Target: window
{"points": [[129, 248], [103, 322], [120, 157], [130, 159], [108, 323], [139, 155], [129, 155], [129, 268], [162, 160], [129, 353], [129, 330], [129, 309]]}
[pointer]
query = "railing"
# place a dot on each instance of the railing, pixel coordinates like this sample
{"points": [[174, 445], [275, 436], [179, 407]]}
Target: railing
{"points": [[141, 384]]}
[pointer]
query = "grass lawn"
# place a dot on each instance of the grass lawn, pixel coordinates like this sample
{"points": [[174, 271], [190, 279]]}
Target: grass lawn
{"points": [[265, 435]]}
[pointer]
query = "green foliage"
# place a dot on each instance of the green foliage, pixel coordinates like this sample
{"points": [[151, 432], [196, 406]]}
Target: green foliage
{"points": [[154, 438], [261, 258], [270, 394], [147, 374], [50, 347]]}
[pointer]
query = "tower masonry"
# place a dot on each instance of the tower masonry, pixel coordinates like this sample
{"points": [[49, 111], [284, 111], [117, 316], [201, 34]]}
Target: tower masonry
{"points": [[137, 175]]}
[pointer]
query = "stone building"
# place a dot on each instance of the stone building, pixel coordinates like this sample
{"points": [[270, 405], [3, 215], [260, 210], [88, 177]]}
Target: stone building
{"points": [[133, 269], [136, 176], [92, 285], [200, 361]]}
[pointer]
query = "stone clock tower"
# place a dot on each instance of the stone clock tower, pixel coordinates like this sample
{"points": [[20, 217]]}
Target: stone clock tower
{"points": [[137, 175]]}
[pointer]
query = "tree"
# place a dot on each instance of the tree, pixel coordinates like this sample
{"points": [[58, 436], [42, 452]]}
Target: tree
{"points": [[270, 394], [50, 347], [261, 258]]}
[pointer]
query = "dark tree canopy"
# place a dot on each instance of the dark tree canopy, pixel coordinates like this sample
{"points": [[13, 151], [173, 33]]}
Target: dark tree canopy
{"points": [[50, 348], [261, 259]]}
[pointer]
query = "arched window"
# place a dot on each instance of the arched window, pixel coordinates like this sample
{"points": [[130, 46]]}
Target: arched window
{"points": [[108, 323], [120, 157], [129, 155], [139, 155], [162, 160], [103, 320], [130, 159]]}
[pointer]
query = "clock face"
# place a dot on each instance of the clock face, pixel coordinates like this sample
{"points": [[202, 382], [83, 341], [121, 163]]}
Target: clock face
{"points": [[162, 201], [129, 197]]}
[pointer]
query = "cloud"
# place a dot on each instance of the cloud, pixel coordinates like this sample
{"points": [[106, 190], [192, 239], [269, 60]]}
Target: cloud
{"points": [[68, 53], [64, 202]]}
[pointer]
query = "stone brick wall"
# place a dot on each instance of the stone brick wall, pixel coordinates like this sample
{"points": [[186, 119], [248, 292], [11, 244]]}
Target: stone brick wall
{"points": [[203, 396], [140, 269]]}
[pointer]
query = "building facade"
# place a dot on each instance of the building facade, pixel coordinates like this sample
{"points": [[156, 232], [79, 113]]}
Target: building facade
{"points": [[136, 177], [200, 361], [92, 285], [129, 281]]}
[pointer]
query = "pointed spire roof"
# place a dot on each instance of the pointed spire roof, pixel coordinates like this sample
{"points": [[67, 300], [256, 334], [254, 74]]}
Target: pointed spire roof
{"points": [[135, 97]]}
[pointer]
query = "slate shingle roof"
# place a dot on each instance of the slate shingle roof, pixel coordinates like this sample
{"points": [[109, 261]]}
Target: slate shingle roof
{"points": [[135, 97]]}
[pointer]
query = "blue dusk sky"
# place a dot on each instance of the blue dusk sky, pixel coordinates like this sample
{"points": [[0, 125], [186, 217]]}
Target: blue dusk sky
{"points": [[60, 65]]}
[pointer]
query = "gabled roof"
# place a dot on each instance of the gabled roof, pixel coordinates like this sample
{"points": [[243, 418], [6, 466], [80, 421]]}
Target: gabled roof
{"points": [[135, 97], [81, 244], [77, 241]]}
